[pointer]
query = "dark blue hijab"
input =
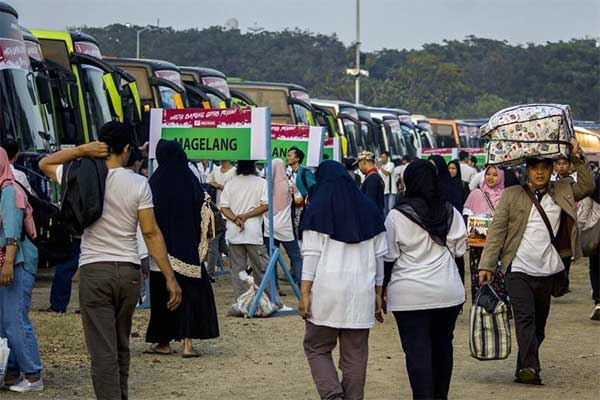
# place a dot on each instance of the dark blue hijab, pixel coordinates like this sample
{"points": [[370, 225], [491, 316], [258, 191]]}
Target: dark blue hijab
{"points": [[337, 207], [178, 199]]}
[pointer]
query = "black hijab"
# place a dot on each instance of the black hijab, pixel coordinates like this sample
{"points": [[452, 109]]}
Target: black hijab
{"points": [[423, 202], [443, 174], [178, 199], [338, 208], [457, 194]]}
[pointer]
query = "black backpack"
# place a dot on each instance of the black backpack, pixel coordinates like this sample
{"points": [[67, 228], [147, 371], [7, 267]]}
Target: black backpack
{"points": [[82, 193]]}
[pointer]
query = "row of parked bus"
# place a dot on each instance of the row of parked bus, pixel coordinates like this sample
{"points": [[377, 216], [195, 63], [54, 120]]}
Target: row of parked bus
{"points": [[57, 89]]}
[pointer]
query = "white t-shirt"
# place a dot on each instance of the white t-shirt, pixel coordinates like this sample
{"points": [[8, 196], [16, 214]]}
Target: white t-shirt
{"points": [[399, 171], [284, 229], [425, 275], [389, 181], [113, 237], [344, 279], [21, 177], [196, 171], [221, 178], [536, 255], [467, 172], [477, 179], [243, 194]]}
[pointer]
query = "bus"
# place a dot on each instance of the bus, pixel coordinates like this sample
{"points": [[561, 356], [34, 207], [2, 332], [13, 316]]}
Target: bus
{"points": [[372, 131], [159, 84], [589, 140], [206, 87], [84, 88], [348, 124], [290, 103]]}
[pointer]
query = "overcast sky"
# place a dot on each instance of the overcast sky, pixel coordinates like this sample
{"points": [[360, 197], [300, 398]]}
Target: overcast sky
{"points": [[384, 23]]}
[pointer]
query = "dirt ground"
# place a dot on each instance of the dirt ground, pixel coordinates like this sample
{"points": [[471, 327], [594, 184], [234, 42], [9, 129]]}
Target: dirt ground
{"points": [[263, 358]]}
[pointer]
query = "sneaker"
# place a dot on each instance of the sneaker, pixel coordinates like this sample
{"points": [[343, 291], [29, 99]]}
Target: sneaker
{"points": [[25, 386], [596, 313]]}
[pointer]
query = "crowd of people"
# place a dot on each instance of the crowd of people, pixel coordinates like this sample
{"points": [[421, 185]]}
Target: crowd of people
{"points": [[364, 237]]}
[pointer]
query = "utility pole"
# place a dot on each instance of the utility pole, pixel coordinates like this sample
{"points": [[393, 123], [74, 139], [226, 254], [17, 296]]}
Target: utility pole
{"points": [[357, 82], [137, 42]]}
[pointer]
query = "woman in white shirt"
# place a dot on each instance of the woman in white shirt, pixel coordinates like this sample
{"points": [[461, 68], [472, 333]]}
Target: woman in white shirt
{"points": [[343, 244], [283, 191], [425, 293]]}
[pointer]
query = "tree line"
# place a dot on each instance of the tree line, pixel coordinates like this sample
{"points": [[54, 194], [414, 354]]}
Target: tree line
{"points": [[470, 78]]}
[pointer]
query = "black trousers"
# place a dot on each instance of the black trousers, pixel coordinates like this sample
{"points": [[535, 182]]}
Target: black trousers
{"points": [[530, 297], [426, 337]]}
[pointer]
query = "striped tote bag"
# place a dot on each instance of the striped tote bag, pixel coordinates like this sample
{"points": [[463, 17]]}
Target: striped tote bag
{"points": [[489, 336]]}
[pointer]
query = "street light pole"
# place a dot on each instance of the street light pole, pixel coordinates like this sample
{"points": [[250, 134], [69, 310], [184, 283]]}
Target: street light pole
{"points": [[137, 43], [357, 84]]}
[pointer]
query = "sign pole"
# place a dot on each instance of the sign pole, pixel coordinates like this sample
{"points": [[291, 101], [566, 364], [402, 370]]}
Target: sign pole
{"points": [[274, 253]]}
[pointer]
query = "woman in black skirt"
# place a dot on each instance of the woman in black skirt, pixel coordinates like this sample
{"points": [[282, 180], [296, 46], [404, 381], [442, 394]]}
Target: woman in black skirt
{"points": [[178, 198]]}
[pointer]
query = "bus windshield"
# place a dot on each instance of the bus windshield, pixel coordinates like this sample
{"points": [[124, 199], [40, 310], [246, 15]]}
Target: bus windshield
{"points": [[444, 135], [303, 115], [96, 99], [394, 136], [20, 117], [410, 140]]}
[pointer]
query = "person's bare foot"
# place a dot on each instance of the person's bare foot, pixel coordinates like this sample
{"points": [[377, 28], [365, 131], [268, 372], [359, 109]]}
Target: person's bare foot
{"points": [[188, 349]]}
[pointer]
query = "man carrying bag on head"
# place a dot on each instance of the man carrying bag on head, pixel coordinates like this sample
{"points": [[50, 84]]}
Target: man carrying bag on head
{"points": [[533, 227]]}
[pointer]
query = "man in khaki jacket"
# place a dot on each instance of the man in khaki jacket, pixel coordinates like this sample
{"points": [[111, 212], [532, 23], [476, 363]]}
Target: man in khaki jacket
{"points": [[520, 239]]}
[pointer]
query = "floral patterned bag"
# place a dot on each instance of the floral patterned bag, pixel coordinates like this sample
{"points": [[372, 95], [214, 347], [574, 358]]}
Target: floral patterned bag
{"points": [[530, 130]]}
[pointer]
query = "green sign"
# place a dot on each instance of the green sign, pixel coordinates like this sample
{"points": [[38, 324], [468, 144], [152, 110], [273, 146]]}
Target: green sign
{"points": [[212, 143], [280, 148], [217, 134]]}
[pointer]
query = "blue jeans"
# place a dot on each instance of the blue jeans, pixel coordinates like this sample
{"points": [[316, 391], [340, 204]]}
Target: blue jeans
{"points": [[15, 325], [60, 293], [389, 202], [293, 251]]}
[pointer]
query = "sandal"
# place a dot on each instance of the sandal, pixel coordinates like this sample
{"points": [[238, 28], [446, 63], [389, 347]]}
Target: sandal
{"points": [[153, 350], [190, 355]]}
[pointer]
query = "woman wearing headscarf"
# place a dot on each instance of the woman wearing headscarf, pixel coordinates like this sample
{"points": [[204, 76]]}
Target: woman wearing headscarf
{"points": [[424, 234], [178, 199], [18, 266], [343, 245], [458, 190], [283, 196], [483, 201]]}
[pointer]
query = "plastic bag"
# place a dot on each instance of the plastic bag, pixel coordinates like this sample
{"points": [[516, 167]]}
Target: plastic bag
{"points": [[242, 306], [4, 353]]}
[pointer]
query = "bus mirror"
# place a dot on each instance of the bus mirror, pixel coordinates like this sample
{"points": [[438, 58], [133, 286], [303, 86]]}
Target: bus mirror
{"points": [[43, 89]]}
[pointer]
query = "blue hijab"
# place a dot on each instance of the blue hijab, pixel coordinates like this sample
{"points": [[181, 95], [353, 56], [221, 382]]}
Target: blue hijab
{"points": [[338, 208], [178, 199]]}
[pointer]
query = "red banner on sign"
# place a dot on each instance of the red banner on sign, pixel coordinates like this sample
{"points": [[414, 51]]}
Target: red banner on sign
{"points": [[13, 54], [207, 118], [290, 132]]}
